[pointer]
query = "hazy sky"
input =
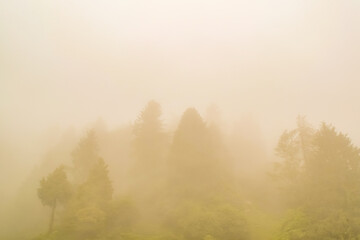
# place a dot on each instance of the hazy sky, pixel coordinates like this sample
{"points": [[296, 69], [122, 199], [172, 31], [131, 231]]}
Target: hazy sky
{"points": [[69, 62]]}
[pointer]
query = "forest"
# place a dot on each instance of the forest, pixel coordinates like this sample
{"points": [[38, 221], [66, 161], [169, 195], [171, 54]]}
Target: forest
{"points": [[179, 120], [193, 181]]}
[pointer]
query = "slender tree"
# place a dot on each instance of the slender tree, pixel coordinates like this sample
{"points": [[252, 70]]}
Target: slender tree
{"points": [[54, 189]]}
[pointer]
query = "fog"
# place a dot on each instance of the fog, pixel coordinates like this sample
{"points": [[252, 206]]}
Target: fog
{"points": [[69, 66]]}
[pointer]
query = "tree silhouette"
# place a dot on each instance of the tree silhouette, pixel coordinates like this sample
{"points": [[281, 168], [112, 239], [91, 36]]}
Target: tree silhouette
{"points": [[85, 156], [54, 189]]}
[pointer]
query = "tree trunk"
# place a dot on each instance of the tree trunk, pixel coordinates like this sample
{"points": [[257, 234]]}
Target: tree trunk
{"points": [[52, 217]]}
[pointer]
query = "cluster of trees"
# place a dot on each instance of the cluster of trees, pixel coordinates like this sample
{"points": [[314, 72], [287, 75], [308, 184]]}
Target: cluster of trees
{"points": [[182, 187], [185, 185], [320, 179]]}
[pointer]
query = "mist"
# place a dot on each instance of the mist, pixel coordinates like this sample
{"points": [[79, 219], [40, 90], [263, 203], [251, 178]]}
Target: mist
{"points": [[248, 68]]}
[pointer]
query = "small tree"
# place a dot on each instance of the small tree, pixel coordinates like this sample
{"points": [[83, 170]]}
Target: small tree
{"points": [[54, 189]]}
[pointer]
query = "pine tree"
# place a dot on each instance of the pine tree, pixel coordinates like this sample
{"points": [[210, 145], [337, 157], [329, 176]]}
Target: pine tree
{"points": [[85, 156], [98, 187], [194, 166], [149, 139], [149, 147], [201, 206]]}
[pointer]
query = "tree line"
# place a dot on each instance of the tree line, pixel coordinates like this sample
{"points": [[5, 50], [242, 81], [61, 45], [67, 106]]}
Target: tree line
{"points": [[184, 186]]}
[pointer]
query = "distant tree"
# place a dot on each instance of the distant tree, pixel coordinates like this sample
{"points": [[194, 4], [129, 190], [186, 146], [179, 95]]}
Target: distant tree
{"points": [[149, 147], [200, 206], [306, 137], [148, 151], [329, 196], [194, 164], [294, 148], [85, 156], [98, 187], [213, 123], [54, 189], [332, 172], [149, 138]]}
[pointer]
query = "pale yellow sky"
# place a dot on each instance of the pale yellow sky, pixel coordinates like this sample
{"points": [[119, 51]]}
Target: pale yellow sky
{"points": [[69, 62]]}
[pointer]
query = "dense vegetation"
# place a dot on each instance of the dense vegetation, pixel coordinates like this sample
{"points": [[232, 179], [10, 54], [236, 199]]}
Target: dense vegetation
{"points": [[146, 181]]}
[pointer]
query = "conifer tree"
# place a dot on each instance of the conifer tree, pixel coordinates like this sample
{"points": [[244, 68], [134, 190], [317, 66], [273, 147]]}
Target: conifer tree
{"points": [[149, 148], [149, 138], [98, 187], [194, 167], [85, 156], [198, 181]]}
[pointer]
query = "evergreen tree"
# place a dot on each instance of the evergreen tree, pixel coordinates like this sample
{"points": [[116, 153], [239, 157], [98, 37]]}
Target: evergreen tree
{"points": [[195, 167], [148, 172], [85, 156], [98, 187], [149, 139], [201, 206]]}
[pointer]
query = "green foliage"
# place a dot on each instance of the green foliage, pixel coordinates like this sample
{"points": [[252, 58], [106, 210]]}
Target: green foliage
{"points": [[319, 177], [262, 223], [328, 190], [198, 220], [54, 188], [98, 187], [294, 227], [87, 214]]}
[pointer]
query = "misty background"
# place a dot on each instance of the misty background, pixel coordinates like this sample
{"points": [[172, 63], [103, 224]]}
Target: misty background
{"points": [[66, 64]]}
